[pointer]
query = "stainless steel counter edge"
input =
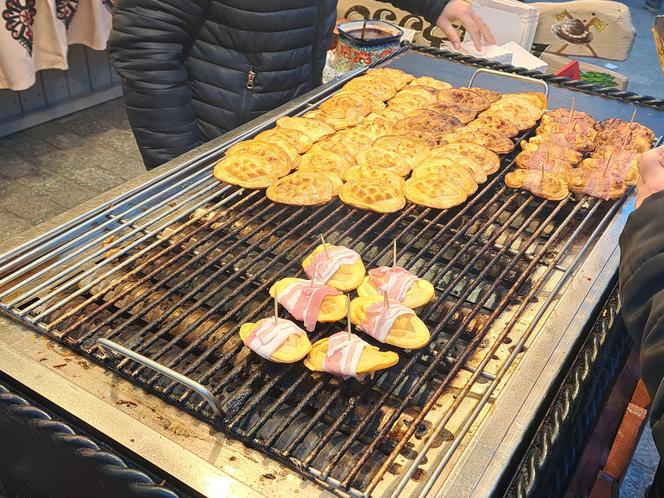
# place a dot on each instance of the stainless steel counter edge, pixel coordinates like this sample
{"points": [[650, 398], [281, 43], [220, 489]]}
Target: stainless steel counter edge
{"points": [[183, 465], [481, 465]]}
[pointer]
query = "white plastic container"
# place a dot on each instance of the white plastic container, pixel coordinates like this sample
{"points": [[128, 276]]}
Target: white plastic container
{"points": [[509, 21]]}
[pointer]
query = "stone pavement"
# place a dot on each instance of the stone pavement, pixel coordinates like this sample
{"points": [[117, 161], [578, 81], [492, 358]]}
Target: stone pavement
{"points": [[55, 166], [642, 468]]}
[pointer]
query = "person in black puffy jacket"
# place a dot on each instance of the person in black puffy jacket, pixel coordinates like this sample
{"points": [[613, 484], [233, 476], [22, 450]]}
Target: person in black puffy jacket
{"points": [[642, 289], [194, 69]]}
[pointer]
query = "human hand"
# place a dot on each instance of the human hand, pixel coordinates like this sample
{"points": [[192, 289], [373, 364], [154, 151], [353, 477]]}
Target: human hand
{"points": [[463, 12], [651, 174]]}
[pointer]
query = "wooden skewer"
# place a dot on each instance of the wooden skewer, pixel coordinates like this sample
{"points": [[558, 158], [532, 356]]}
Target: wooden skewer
{"points": [[630, 127], [633, 117], [322, 241], [386, 301], [547, 159], [314, 264], [394, 253], [571, 114], [276, 309], [350, 334], [608, 161]]}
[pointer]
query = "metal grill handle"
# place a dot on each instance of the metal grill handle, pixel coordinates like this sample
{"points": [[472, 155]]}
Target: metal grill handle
{"points": [[107, 345], [509, 75]]}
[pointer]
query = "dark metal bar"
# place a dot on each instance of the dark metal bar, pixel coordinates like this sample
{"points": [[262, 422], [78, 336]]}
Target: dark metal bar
{"points": [[402, 215], [433, 365], [258, 424], [137, 269], [183, 280]]}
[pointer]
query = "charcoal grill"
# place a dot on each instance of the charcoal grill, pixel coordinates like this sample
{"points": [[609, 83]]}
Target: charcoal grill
{"points": [[153, 280]]}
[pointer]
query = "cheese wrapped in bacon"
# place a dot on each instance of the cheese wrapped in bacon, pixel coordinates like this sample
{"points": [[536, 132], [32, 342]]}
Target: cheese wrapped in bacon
{"points": [[277, 340], [394, 280], [548, 186], [597, 184], [554, 167], [401, 286], [576, 141], [532, 155], [559, 121], [621, 162], [378, 319], [389, 322], [347, 356], [337, 266], [309, 303], [343, 354], [633, 136]]}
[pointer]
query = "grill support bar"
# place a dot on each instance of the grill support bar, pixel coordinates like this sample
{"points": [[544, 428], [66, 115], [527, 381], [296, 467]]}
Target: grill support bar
{"points": [[517, 349], [112, 347], [441, 354]]}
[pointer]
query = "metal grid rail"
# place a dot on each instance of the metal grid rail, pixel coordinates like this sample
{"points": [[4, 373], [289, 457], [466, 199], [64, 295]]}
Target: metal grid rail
{"points": [[142, 285], [172, 269]]}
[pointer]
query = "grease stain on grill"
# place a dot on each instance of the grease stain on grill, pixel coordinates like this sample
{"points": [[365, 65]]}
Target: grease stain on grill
{"points": [[419, 475], [126, 402], [408, 452], [445, 436]]}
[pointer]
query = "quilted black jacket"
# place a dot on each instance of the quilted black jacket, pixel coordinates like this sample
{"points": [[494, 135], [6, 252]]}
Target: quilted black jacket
{"points": [[194, 69], [642, 292]]}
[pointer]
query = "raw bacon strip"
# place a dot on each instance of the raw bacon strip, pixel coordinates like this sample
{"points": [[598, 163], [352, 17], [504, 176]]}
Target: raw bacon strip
{"points": [[328, 262], [343, 355], [268, 336], [394, 280], [379, 320], [303, 300]]}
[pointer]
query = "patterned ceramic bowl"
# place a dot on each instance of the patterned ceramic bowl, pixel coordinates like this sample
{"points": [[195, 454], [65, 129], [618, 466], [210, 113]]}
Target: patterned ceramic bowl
{"points": [[364, 42]]}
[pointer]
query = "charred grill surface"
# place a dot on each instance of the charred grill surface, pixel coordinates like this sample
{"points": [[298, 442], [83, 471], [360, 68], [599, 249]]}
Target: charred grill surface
{"points": [[176, 288]]}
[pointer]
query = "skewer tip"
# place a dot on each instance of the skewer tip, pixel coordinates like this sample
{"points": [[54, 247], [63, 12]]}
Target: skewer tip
{"points": [[348, 324], [314, 265], [276, 308], [571, 113], [322, 241], [633, 115]]}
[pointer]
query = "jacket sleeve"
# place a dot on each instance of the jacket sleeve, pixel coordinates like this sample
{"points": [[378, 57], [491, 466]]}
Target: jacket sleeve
{"points": [[147, 47], [642, 292], [429, 9]]}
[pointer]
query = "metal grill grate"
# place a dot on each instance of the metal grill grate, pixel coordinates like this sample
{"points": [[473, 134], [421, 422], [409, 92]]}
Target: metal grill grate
{"points": [[171, 271]]}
